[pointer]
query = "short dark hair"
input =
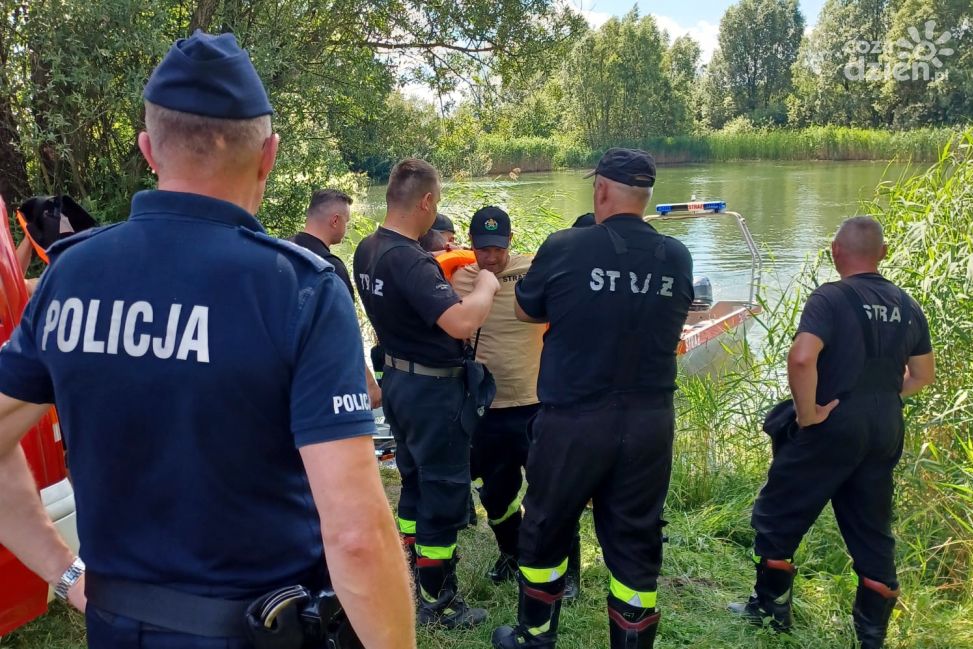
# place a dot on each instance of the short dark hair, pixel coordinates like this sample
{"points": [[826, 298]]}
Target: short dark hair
{"points": [[411, 179], [323, 197]]}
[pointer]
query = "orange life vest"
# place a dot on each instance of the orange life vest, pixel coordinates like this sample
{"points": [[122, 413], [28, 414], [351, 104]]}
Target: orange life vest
{"points": [[453, 260]]}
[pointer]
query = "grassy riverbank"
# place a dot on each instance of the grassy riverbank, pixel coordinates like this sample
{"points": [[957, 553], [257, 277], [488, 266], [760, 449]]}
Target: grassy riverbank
{"points": [[502, 154], [721, 458]]}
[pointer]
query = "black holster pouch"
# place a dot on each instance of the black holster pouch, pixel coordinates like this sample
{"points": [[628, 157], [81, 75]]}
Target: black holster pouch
{"points": [[294, 618], [481, 388], [780, 424]]}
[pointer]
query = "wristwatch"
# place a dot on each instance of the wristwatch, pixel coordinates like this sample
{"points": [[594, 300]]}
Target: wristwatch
{"points": [[69, 579]]}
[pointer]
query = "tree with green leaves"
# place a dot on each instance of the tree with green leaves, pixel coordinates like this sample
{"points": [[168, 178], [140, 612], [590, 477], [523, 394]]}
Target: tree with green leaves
{"points": [[73, 72], [759, 41], [681, 64], [615, 88], [829, 76], [928, 63]]}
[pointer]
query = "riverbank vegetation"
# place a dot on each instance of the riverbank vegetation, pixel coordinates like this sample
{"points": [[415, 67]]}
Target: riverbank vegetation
{"points": [[482, 87]]}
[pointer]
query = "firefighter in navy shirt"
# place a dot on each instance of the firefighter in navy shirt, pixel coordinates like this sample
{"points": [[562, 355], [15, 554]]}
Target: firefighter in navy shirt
{"points": [[421, 323], [208, 381], [616, 295], [862, 345]]}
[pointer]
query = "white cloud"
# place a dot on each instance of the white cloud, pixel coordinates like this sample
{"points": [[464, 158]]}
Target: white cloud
{"points": [[588, 9], [705, 33]]}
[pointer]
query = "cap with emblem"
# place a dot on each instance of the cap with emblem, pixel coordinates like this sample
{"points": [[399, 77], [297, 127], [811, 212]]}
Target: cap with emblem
{"points": [[443, 224], [490, 228], [627, 166], [208, 75]]}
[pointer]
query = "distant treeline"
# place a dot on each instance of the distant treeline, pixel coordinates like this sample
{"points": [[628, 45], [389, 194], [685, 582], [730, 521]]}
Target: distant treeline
{"points": [[812, 143]]}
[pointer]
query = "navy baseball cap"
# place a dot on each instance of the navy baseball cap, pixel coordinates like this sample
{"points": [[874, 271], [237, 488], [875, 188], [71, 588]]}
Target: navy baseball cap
{"points": [[490, 228], [443, 224], [208, 75], [627, 166]]}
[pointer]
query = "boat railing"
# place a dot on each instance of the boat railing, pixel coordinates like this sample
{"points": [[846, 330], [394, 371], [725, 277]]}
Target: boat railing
{"points": [[712, 209]]}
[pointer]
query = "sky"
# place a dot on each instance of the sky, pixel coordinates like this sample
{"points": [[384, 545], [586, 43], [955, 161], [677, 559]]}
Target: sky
{"points": [[698, 18]]}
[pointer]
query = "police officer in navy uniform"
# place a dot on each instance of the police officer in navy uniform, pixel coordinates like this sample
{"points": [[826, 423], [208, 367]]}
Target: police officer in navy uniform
{"points": [[327, 222], [421, 323], [208, 381], [862, 345], [616, 296]]}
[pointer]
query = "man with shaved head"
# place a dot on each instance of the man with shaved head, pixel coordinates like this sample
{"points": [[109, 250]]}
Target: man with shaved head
{"points": [[616, 295], [862, 346]]}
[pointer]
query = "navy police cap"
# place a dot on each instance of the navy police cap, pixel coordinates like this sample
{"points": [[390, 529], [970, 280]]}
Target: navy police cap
{"points": [[208, 75], [627, 166]]}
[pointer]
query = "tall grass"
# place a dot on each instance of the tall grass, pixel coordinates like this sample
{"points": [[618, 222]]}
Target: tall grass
{"points": [[929, 224], [813, 143]]}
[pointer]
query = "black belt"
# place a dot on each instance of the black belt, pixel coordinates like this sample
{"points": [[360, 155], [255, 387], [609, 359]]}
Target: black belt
{"points": [[650, 398], [168, 609], [411, 367]]}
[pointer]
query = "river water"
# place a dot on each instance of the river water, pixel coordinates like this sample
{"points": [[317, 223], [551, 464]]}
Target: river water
{"points": [[791, 208]]}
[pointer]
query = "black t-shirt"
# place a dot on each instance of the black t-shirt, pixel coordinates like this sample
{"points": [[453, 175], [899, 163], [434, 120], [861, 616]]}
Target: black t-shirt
{"points": [[404, 292], [318, 247], [828, 316], [576, 284]]}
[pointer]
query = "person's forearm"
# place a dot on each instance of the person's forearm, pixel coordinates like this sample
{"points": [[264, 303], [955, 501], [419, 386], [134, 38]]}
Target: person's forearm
{"points": [[25, 528], [910, 387], [803, 380], [369, 573]]}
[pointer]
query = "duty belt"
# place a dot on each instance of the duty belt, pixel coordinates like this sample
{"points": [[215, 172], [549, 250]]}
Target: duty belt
{"points": [[168, 609], [411, 367]]}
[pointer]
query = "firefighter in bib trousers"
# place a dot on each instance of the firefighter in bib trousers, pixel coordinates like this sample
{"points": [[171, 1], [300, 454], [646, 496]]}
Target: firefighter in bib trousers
{"points": [[430, 387], [857, 339], [511, 349], [208, 382], [616, 295]]}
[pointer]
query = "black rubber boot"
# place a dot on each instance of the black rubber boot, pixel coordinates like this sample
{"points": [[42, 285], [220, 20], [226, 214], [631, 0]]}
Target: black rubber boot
{"points": [[631, 627], [572, 578], [874, 603], [504, 569], [440, 603], [507, 533], [772, 595], [538, 613]]}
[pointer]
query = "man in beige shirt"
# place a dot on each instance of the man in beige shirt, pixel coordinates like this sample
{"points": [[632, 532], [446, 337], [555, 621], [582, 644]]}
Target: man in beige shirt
{"points": [[511, 349]]}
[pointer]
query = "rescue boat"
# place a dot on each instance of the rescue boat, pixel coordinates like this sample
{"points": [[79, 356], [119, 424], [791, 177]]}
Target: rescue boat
{"points": [[713, 329]]}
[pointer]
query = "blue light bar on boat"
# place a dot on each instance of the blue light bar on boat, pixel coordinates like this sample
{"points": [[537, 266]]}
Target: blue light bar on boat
{"points": [[700, 206]]}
